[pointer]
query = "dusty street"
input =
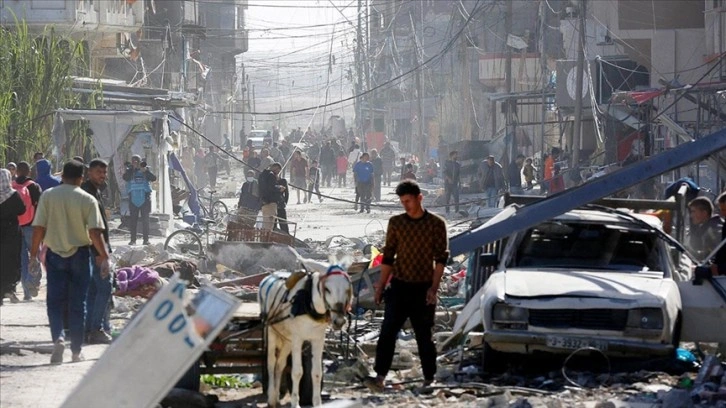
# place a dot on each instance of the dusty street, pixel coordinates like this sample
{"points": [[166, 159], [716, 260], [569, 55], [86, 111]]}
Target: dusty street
{"points": [[27, 380]]}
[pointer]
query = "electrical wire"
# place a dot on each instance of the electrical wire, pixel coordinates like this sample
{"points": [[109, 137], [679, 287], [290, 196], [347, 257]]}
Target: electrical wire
{"points": [[391, 81]]}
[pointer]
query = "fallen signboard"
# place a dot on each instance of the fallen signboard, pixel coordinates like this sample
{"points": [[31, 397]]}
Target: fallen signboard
{"points": [[157, 347]]}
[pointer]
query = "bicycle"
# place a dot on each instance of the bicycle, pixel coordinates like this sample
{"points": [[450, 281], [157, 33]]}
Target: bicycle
{"points": [[188, 241], [216, 211]]}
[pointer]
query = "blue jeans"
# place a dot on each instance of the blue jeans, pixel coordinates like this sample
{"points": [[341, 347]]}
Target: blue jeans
{"points": [[99, 294], [26, 279], [491, 193], [68, 280]]}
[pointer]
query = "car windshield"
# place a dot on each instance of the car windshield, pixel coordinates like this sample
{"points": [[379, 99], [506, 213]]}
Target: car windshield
{"points": [[592, 246]]}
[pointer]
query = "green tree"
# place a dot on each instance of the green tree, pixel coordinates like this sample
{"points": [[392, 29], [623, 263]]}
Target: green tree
{"points": [[35, 79]]}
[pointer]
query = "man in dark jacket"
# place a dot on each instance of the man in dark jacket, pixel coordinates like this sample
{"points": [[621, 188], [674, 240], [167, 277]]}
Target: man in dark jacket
{"points": [[101, 287], [249, 203], [452, 179], [327, 163], [270, 194], [377, 163], [705, 229], [281, 223]]}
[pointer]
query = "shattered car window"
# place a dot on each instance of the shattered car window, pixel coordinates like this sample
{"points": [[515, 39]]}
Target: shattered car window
{"points": [[599, 246]]}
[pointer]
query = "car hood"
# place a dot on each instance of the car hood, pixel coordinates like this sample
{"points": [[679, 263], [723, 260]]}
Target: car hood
{"points": [[568, 283]]}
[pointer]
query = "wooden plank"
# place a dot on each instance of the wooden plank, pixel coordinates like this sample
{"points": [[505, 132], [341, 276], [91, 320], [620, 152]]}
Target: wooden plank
{"points": [[247, 311]]}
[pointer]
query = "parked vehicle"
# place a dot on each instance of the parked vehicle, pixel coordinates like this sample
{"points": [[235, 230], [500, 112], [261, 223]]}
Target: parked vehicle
{"points": [[595, 278]]}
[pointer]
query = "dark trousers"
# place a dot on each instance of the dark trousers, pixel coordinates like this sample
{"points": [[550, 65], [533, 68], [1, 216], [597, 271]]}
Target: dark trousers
{"points": [[328, 174], [68, 280], [144, 212], [282, 220], [316, 188], [406, 300], [452, 190], [99, 294], [377, 186], [212, 173], [365, 190]]}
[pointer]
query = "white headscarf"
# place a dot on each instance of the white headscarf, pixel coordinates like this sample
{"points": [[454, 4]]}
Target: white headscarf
{"points": [[6, 189]]}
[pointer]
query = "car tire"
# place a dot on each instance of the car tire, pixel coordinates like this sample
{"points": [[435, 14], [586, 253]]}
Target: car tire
{"points": [[492, 361]]}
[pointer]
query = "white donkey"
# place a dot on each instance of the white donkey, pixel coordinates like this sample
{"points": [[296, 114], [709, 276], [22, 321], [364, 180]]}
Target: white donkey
{"points": [[297, 308]]}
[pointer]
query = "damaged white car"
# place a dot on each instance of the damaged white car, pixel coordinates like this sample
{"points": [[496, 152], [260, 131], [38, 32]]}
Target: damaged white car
{"points": [[590, 278]]}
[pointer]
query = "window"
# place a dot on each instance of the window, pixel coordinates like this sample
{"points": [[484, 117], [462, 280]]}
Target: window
{"points": [[596, 246]]}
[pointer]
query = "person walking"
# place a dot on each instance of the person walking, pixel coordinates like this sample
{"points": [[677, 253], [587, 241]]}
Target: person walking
{"points": [[514, 175], [29, 192], [69, 222], [342, 166], [45, 180], [327, 163], [270, 194], [704, 232], [200, 172], [249, 203], [377, 163], [211, 162], [13, 169], [11, 207], [138, 179], [281, 220], [363, 172], [491, 180], [388, 156], [452, 180], [101, 285], [299, 173], [314, 182], [414, 256]]}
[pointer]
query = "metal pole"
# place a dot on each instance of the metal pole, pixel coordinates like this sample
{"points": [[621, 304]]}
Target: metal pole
{"points": [[577, 131], [508, 80]]}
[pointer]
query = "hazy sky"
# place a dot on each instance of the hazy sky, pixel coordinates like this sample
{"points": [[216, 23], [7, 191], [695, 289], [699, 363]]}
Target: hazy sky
{"points": [[288, 61]]}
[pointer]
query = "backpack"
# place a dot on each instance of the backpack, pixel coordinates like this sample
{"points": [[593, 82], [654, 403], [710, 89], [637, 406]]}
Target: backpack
{"points": [[22, 189]]}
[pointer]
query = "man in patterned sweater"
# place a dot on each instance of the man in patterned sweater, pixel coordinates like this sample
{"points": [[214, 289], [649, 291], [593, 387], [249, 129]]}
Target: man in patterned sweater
{"points": [[416, 250]]}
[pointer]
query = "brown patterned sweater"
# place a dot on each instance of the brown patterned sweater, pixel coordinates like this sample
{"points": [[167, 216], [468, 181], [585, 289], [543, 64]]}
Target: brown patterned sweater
{"points": [[413, 246]]}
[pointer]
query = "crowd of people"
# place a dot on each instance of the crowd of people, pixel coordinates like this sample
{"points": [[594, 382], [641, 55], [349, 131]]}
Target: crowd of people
{"points": [[56, 224]]}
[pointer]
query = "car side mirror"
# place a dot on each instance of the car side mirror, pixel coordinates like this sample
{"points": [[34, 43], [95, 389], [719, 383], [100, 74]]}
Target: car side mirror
{"points": [[489, 259], [702, 273]]}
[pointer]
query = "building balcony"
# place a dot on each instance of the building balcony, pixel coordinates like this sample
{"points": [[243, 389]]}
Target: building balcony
{"points": [[106, 16], [526, 71]]}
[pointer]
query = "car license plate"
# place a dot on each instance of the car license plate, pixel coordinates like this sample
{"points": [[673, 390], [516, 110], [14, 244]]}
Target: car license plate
{"points": [[573, 343]]}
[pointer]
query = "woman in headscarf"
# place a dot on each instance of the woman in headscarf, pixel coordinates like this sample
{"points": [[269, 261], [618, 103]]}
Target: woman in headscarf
{"points": [[11, 206]]}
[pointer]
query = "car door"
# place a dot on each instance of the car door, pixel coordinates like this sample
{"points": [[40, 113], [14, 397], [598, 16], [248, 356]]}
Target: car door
{"points": [[704, 310]]}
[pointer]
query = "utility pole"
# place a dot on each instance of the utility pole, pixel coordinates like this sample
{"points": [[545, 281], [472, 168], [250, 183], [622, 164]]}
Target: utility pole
{"points": [[244, 89], [359, 71], [508, 80], [420, 91], [580, 47]]}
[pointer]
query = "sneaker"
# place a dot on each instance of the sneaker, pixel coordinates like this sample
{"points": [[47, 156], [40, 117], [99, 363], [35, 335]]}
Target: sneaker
{"points": [[132, 243], [99, 337], [361, 211], [12, 297], [374, 384], [77, 357], [57, 356], [368, 211], [147, 243], [33, 292]]}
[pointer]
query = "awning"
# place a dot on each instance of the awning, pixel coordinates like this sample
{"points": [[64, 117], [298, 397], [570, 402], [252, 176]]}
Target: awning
{"points": [[110, 127]]}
